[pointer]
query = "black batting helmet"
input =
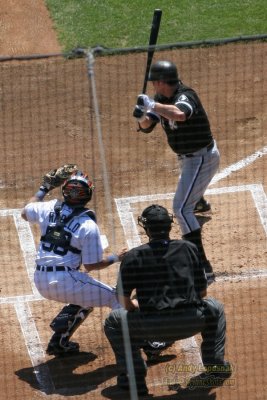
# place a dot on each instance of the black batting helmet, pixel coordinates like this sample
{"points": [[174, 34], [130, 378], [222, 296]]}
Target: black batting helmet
{"points": [[77, 190], [165, 71], [157, 220]]}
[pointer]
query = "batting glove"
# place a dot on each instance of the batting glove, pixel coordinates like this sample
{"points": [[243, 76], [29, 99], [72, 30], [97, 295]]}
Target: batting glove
{"points": [[144, 101], [139, 113]]}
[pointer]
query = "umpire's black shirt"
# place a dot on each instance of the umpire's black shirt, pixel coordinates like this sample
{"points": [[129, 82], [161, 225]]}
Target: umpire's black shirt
{"points": [[166, 274]]}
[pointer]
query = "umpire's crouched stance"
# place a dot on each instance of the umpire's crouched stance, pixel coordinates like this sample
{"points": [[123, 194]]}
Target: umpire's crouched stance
{"points": [[170, 286]]}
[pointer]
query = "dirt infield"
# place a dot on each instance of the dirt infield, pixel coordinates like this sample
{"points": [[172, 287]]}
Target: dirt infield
{"points": [[26, 28], [47, 118]]}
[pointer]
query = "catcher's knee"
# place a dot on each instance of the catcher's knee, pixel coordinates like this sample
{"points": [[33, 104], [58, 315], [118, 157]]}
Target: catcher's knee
{"points": [[69, 319]]}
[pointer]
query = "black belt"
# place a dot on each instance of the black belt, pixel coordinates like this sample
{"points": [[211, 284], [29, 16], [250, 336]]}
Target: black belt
{"points": [[177, 309], [209, 147], [56, 268]]}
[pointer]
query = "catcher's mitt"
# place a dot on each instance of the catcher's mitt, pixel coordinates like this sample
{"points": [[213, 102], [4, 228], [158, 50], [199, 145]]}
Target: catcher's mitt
{"points": [[57, 177]]}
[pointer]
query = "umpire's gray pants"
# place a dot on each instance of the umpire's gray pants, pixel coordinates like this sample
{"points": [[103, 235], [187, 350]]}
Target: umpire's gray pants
{"points": [[171, 325]]}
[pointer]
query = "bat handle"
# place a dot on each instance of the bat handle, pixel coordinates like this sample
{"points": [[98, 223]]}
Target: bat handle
{"points": [[144, 88]]}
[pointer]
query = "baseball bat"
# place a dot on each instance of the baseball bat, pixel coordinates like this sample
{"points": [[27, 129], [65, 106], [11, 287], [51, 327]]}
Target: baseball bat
{"points": [[152, 41]]}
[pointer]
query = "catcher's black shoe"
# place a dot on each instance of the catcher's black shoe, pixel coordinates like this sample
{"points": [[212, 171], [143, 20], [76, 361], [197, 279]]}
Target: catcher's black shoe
{"points": [[202, 206], [123, 383], [214, 376], [62, 347]]}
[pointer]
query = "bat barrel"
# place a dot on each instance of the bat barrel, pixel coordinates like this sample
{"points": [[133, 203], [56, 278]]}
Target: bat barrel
{"points": [[152, 41]]}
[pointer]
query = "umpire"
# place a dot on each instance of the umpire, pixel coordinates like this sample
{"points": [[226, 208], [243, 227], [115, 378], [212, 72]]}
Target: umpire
{"points": [[170, 285]]}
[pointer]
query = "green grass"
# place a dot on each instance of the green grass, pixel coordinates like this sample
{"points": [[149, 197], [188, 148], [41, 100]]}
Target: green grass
{"points": [[126, 23]]}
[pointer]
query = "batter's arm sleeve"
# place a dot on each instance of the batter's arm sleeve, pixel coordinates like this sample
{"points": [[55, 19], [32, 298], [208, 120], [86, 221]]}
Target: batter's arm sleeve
{"points": [[186, 103]]}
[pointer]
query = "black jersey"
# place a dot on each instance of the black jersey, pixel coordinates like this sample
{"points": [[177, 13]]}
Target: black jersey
{"points": [[192, 134], [165, 275]]}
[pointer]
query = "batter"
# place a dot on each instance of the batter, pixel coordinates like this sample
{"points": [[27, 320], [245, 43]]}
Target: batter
{"points": [[183, 118]]}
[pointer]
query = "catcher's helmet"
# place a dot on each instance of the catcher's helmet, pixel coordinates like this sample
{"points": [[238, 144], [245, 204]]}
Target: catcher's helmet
{"points": [[78, 189], [165, 71], [157, 220]]}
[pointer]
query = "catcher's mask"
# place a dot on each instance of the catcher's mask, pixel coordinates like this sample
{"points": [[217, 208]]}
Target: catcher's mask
{"points": [[78, 189], [165, 71], [156, 221]]}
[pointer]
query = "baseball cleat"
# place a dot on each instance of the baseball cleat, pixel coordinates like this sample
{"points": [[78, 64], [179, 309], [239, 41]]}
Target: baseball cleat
{"points": [[214, 376], [202, 206], [57, 349]]}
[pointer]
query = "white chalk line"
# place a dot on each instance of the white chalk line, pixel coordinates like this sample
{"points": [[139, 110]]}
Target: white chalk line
{"points": [[239, 165], [27, 245], [34, 347], [20, 299], [33, 344]]}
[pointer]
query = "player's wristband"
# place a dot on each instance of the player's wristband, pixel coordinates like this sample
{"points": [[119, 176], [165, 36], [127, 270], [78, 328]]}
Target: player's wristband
{"points": [[113, 258], [41, 193], [153, 103]]}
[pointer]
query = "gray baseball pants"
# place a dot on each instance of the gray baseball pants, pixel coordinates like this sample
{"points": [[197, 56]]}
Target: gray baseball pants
{"points": [[170, 325]]}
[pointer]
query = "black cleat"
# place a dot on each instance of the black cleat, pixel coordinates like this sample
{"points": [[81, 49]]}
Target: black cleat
{"points": [[202, 206]]}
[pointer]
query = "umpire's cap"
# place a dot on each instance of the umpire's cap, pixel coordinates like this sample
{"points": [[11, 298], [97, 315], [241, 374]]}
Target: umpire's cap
{"points": [[156, 219], [165, 71]]}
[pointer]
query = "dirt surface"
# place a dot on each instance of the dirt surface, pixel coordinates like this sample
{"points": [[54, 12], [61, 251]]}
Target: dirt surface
{"points": [[26, 28], [47, 118]]}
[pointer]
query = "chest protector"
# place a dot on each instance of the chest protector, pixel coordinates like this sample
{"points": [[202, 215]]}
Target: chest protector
{"points": [[57, 238]]}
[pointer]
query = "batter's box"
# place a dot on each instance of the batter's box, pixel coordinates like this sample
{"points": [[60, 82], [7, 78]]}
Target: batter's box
{"points": [[125, 210]]}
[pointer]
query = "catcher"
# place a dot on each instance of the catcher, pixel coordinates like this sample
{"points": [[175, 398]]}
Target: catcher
{"points": [[69, 238]]}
